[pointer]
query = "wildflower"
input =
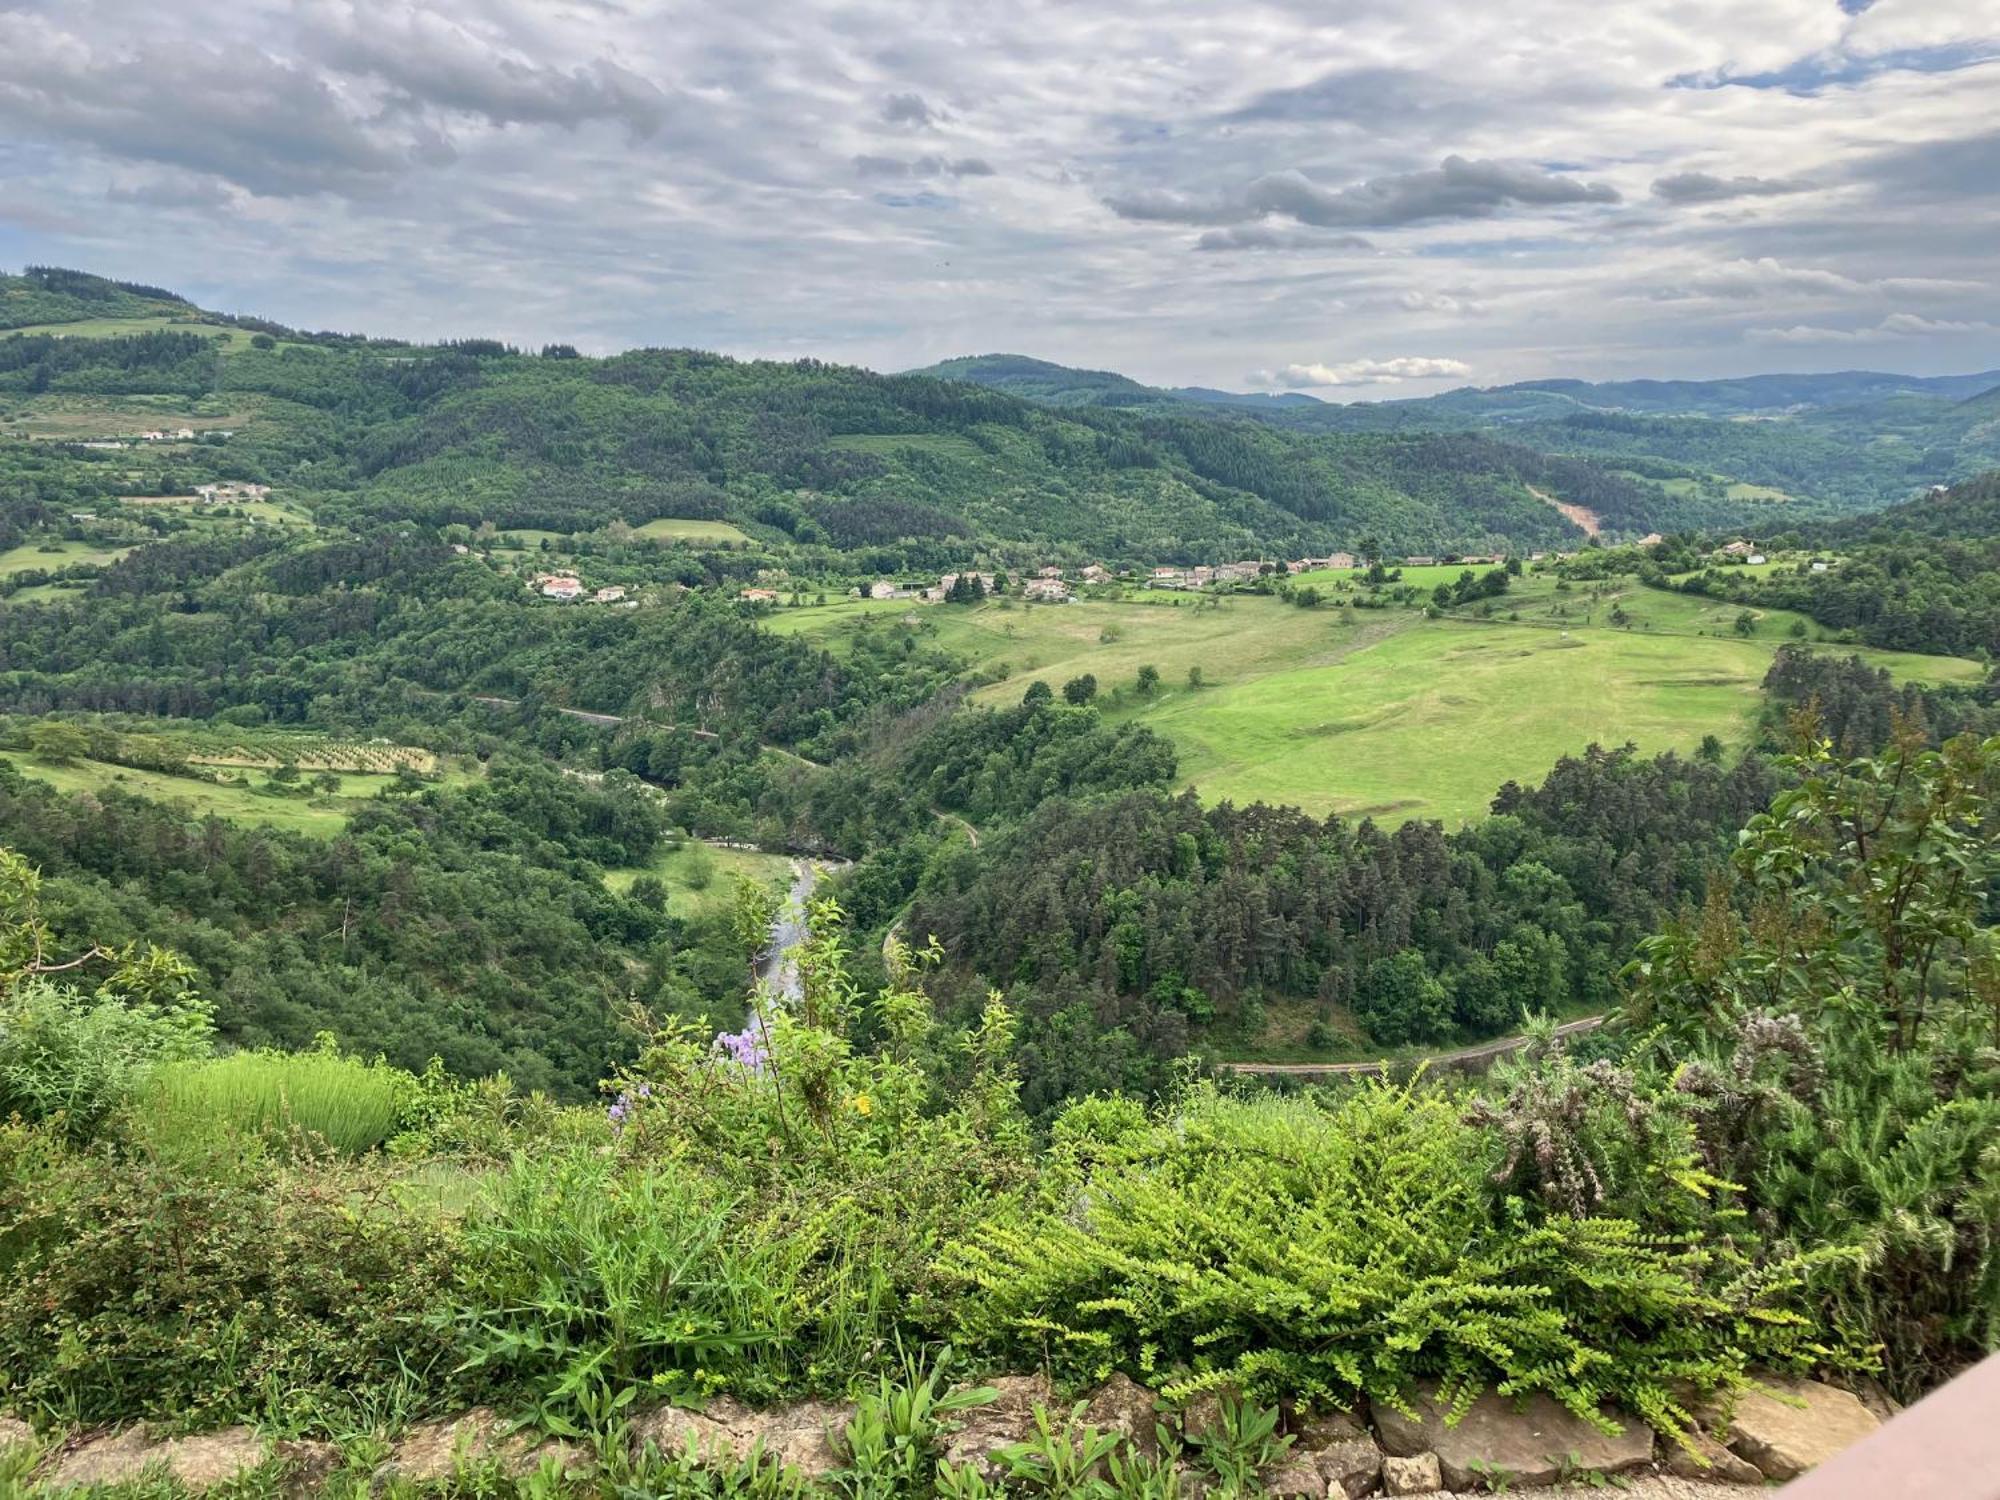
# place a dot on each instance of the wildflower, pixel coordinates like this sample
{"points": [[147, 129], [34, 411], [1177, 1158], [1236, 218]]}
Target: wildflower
{"points": [[862, 1105], [744, 1048]]}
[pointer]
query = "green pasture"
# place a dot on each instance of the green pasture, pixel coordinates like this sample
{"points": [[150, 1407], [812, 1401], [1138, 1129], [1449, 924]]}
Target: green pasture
{"points": [[232, 339], [680, 866], [318, 816], [670, 529], [56, 554], [1380, 712]]}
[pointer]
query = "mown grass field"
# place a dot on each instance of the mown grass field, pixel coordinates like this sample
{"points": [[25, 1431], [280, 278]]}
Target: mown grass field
{"points": [[59, 554], [669, 529], [675, 864], [1381, 712], [320, 817]]}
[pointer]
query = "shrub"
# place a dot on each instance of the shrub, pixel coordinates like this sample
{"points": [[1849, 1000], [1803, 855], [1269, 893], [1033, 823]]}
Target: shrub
{"points": [[205, 1290], [1307, 1251]]}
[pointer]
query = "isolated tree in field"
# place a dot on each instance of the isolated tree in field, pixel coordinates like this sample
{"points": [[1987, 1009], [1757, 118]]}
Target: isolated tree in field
{"points": [[1746, 623], [1080, 690], [53, 740], [1149, 679], [1194, 677], [326, 783], [1038, 693], [650, 892], [1710, 751]]}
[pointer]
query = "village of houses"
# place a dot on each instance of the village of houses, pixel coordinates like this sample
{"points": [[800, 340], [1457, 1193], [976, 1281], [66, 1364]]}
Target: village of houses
{"points": [[1054, 585]]}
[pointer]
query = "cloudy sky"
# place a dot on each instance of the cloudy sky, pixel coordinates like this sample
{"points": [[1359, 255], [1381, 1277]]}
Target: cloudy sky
{"points": [[1359, 198]]}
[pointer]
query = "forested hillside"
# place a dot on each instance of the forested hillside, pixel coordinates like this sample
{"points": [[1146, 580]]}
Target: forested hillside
{"points": [[799, 455], [1821, 444]]}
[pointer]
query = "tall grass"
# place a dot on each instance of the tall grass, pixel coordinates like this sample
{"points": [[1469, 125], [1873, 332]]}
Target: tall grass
{"points": [[351, 1105]]}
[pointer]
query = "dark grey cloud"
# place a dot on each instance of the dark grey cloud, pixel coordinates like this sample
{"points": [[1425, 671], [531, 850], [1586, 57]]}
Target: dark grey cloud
{"points": [[923, 166], [230, 110], [1705, 187], [1274, 237], [1356, 95], [429, 62], [908, 109], [1455, 189]]}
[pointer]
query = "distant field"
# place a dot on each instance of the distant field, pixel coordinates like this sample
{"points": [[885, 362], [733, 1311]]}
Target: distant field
{"points": [[44, 593], [885, 444], [670, 530], [31, 555], [1732, 489], [106, 328], [674, 863], [321, 817], [1381, 712]]}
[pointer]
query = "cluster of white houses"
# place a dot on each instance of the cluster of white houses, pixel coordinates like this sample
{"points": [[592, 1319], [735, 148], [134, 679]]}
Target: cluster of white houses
{"points": [[567, 588], [229, 492]]}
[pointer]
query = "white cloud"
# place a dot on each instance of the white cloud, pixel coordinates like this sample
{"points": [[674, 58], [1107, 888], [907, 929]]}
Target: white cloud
{"points": [[1895, 326], [895, 184], [1359, 372]]}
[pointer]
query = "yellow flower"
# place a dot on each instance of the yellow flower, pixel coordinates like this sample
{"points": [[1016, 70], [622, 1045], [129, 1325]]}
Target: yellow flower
{"points": [[862, 1105]]}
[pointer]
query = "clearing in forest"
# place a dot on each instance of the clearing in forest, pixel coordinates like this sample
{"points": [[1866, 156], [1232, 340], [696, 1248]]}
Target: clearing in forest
{"points": [[1381, 712]]}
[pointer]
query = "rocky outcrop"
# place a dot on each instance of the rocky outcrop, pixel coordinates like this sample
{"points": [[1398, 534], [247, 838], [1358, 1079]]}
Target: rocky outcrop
{"points": [[433, 1452], [1340, 1450], [1123, 1406], [1008, 1419], [808, 1437], [197, 1463], [1709, 1460], [1801, 1426], [1496, 1442], [1418, 1474]]}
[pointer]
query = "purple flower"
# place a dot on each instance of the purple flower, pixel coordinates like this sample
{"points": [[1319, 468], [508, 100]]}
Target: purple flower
{"points": [[617, 1113], [744, 1048]]}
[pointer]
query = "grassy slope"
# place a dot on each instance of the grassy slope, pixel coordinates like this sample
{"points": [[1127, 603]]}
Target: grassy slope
{"points": [[671, 865], [321, 817], [1383, 711], [666, 528], [32, 555]]}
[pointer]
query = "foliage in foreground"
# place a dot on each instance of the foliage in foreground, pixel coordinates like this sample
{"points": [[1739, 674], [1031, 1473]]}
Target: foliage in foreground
{"points": [[1793, 1161], [1314, 1250]]}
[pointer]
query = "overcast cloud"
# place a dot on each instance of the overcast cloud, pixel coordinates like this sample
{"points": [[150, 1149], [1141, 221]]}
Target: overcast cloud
{"points": [[1383, 198]]}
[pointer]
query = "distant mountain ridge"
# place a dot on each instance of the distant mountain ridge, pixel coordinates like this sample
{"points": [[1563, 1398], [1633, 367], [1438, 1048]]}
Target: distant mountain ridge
{"points": [[1746, 395], [1852, 440]]}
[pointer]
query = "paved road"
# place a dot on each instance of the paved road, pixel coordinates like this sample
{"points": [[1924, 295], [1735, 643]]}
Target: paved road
{"points": [[1480, 1052]]}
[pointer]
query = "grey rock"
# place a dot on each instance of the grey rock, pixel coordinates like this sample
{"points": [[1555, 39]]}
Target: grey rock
{"points": [[1351, 1467], [1417, 1474], [432, 1452], [1537, 1443], [1785, 1437], [1009, 1418], [198, 1463], [1298, 1480], [15, 1434], [1123, 1406], [1709, 1460]]}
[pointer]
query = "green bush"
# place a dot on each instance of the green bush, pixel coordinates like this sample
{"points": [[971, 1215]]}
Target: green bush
{"points": [[1296, 1249], [201, 1291], [352, 1106]]}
